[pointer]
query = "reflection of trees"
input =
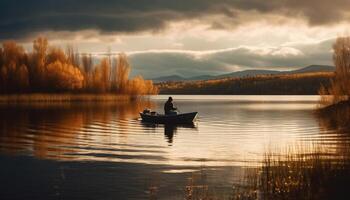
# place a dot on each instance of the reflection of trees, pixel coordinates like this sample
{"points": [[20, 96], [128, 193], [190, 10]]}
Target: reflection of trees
{"points": [[335, 117], [47, 131]]}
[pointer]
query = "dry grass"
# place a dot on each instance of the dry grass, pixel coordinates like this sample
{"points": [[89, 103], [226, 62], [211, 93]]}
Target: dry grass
{"points": [[304, 176], [56, 98], [282, 177]]}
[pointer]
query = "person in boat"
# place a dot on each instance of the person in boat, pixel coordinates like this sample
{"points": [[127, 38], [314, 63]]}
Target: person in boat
{"points": [[169, 108]]}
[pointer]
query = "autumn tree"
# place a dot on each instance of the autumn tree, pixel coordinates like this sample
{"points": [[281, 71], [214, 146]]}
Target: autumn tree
{"points": [[56, 54], [87, 70], [105, 75], [13, 63], [72, 56], [139, 86], [122, 71], [101, 76], [50, 69], [38, 61], [63, 77], [339, 89]]}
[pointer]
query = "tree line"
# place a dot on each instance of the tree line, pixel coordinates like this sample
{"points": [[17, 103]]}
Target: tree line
{"points": [[50, 69], [289, 84]]}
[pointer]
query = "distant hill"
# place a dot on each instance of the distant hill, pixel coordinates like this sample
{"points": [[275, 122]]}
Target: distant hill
{"points": [[247, 73], [169, 78], [203, 77], [312, 68]]}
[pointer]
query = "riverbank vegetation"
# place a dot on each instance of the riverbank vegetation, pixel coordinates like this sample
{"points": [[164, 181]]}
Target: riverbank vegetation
{"points": [[298, 175], [289, 84], [338, 91], [49, 69]]}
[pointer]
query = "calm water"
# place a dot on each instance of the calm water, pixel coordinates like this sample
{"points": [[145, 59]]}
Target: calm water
{"points": [[105, 152]]}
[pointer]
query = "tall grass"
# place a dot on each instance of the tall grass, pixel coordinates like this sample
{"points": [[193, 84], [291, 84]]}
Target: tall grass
{"points": [[303, 177], [291, 176]]}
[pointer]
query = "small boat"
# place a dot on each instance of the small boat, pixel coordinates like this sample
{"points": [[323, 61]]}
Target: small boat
{"points": [[182, 118]]}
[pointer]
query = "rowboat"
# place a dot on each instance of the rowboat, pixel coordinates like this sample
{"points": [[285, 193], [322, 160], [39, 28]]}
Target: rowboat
{"points": [[181, 118]]}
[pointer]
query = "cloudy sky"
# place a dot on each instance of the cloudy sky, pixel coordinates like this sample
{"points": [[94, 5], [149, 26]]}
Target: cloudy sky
{"points": [[185, 37]]}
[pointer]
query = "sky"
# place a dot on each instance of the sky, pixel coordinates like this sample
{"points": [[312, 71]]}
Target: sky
{"points": [[185, 37]]}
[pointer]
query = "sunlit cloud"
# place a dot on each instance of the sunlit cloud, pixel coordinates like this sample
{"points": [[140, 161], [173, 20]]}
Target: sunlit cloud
{"points": [[185, 37]]}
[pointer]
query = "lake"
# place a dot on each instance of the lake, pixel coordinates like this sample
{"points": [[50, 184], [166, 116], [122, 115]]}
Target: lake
{"points": [[93, 151]]}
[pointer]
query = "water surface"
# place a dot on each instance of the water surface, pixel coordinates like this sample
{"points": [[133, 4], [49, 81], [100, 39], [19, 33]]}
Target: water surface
{"points": [[106, 152]]}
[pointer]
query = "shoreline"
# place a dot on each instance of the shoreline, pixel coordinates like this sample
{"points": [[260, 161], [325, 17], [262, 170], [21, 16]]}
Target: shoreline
{"points": [[63, 98]]}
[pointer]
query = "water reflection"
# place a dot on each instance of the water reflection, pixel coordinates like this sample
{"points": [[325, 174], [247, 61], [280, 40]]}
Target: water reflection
{"points": [[335, 117], [336, 120], [59, 131], [231, 134], [170, 130], [229, 131], [312, 172]]}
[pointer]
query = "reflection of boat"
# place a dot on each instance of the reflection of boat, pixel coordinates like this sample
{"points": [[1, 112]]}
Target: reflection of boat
{"points": [[169, 129], [182, 118]]}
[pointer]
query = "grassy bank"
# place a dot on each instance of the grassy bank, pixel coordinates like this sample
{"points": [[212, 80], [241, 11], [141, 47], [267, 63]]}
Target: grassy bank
{"points": [[57, 98]]}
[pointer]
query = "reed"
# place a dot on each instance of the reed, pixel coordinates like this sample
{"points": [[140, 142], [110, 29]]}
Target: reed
{"points": [[304, 176], [285, 175]]}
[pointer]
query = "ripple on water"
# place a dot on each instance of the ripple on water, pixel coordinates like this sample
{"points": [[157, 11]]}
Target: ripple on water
{"points": [[228, 132]]}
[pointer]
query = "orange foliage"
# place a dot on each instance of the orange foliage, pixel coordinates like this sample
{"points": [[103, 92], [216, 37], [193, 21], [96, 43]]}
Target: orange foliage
{"points": [[122, 70], [101, 81], [339, 90], [50, 69], [13, 69], [138, 86], [63, 77]]}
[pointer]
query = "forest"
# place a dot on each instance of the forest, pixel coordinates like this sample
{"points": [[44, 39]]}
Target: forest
{"points": [[289, 84], [50, 69]]}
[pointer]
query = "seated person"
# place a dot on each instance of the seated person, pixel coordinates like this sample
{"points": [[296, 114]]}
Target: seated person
{"points": [[169, 108]]}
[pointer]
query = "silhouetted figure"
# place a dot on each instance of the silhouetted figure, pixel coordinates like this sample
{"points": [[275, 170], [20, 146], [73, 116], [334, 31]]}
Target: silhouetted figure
{"points": [[169, 107]]}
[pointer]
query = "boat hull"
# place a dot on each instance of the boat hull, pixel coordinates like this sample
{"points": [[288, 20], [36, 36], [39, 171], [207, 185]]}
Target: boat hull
{"points": [[170, 119]]}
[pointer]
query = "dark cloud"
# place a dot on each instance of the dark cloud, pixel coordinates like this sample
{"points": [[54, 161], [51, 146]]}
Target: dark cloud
{"points": [[20, 18]]}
